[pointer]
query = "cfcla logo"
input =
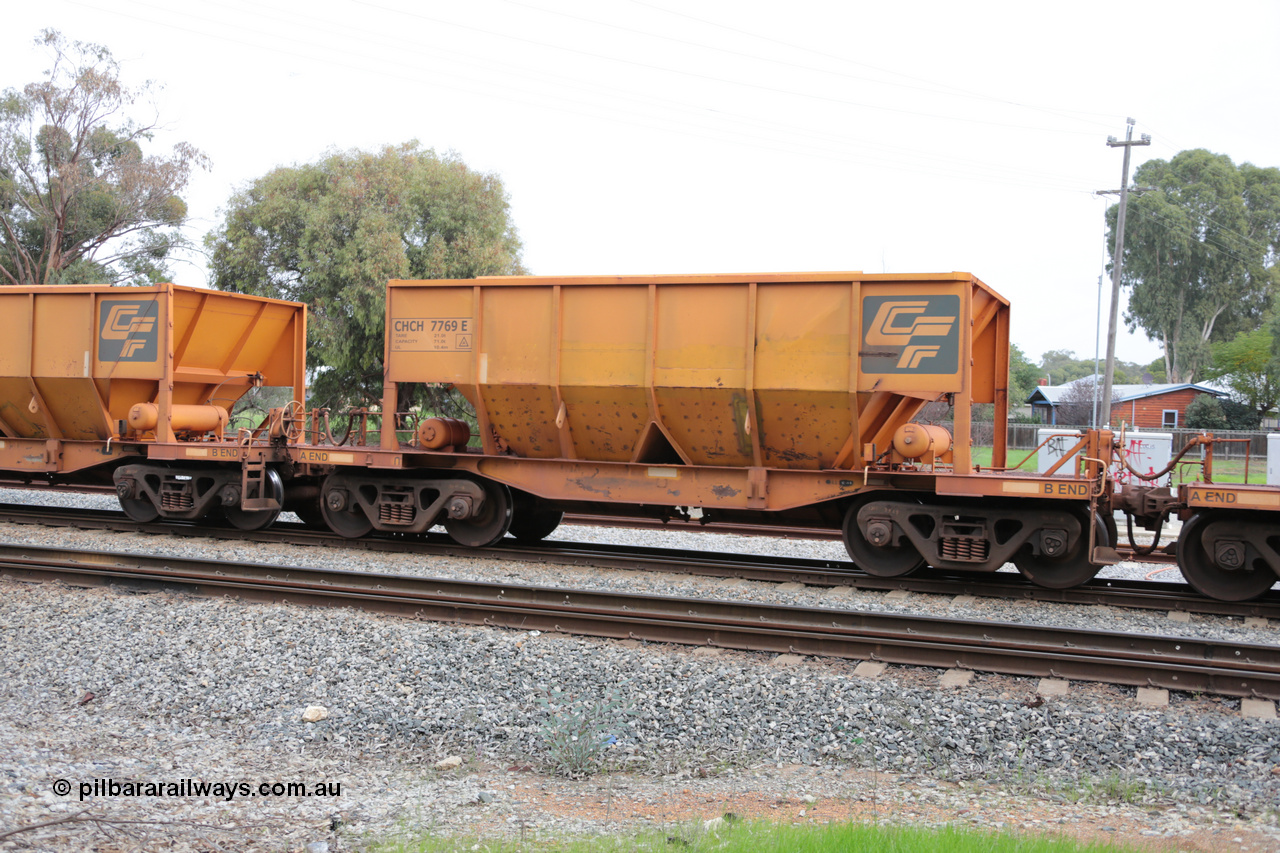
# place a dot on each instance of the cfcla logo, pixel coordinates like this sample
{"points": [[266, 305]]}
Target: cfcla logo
{"points": [[897, 323], [124, 323], [913, 355], [896, 326], [127, 331]]}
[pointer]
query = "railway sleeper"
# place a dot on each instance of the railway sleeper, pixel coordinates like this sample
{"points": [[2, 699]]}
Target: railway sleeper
{"points": [[958, 536]]}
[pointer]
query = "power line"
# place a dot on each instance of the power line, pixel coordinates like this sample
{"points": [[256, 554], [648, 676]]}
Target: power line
{"points": [[1207, 241], [787, 138], [700, 76], [938, 87]]}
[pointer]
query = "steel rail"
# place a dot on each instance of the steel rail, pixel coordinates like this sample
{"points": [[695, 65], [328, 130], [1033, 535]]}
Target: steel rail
{"points": [[39, 487], [1159, 556], [1135, 594], [677, 525], [1026, 650]]}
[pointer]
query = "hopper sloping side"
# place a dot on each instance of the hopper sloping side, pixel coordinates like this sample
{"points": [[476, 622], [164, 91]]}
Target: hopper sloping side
{"points": [[74, 359], [222, 339]]}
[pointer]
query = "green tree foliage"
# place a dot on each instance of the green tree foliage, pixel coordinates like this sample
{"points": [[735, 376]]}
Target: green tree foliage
{"points": [[1211, 413], [79, 200], [1200, 253], [1240, 415], [1249, 365], [1061, 367], [331, 234], [1024, 376], [1205, 412]]}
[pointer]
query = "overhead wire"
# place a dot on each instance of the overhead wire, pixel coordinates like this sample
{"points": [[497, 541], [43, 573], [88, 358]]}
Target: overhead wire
{"points": [[1206, 241], [700, 76], [1047, 180], [792, 139], [918, 84], [806, 49], [963, 168]]}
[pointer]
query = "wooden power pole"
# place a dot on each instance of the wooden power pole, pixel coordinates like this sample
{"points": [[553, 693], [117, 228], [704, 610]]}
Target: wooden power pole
{"points": [[1117, 266]]}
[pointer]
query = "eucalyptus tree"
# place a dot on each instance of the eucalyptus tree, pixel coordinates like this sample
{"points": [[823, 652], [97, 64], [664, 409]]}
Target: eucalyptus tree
{"points": [[332, 233], [80, 199], [1200, 254]]}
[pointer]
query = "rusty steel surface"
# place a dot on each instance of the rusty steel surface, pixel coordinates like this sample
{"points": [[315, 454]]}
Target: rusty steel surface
{"points": [[77, 361], [708, 563], [668, 485], [1029, 650], [798, 372], [1233, 496], [680, 525]]}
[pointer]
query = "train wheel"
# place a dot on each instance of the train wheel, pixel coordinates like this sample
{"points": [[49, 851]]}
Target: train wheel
{"points": [[311, 516], [1202, 571], [246, 519], [1071, 568], [141, 510], [490, 525], [1113, 529], [881, 562], [342, 514], [536, 527], [531, 521]]}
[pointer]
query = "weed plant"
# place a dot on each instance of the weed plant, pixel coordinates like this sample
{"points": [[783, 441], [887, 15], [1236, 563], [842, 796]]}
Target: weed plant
{"points": [[579, 730], [756, 837]]}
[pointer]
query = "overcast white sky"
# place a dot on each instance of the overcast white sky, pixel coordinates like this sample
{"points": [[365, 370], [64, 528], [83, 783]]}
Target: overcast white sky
{"points": [[672, 136]]}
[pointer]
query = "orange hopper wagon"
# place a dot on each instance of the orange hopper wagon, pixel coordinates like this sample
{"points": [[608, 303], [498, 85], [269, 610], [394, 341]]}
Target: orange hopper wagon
{"points": [[783, 399], [95, 380]]}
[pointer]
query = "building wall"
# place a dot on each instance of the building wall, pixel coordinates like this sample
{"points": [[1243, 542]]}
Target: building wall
{"points": [[1148, 412]]}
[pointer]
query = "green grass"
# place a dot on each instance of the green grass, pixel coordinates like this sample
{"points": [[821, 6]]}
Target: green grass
{"points": [[982, 457], [1232, 471], [1224, 470], [759, 837]]}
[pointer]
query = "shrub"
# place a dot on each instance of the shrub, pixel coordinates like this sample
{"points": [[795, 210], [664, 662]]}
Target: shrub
{"points": [[1205, 412], [579, 730]]}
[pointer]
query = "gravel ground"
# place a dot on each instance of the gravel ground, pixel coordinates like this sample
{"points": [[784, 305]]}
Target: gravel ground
{"points": [[173, 691]]}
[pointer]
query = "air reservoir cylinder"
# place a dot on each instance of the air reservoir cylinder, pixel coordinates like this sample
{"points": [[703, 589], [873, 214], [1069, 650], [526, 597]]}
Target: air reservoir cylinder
{"points": [[921, 441], [144, 417]]}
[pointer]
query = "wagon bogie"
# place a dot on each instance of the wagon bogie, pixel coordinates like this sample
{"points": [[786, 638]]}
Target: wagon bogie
{"points": [[178, 493], [891, 534], [475, 512]]}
